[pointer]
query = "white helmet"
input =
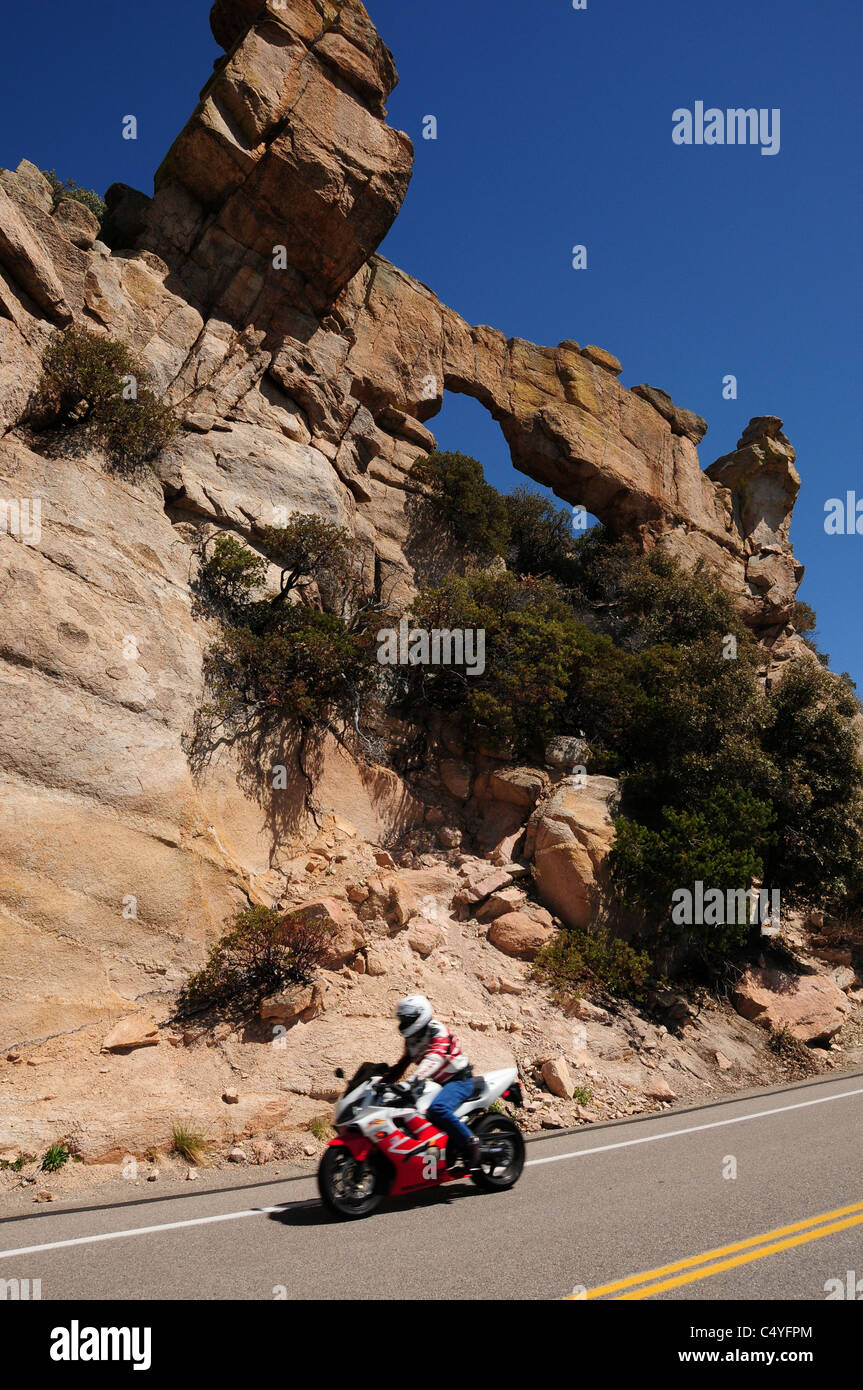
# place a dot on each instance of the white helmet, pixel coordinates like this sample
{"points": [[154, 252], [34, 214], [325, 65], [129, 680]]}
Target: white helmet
{"points": [[414, 1014]]}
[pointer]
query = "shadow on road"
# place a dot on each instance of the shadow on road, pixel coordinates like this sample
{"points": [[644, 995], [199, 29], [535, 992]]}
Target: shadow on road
{"points": [[316, 1214]]}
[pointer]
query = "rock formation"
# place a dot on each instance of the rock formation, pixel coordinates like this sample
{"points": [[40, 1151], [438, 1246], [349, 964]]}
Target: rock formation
{"points": [[289, 151], [305, 369]]}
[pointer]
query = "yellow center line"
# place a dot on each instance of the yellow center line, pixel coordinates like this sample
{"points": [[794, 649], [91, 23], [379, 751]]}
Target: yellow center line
{"points": [[750, 1255], [733, 1249]]}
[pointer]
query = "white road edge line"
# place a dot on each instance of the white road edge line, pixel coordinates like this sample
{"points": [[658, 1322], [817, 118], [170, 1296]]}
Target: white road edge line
{"points": [[531, 1163], [142, 1230], [692, 1129]]}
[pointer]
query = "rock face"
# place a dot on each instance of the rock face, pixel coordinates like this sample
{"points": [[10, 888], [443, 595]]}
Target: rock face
{"points": [[268, 209], [288, 147], [305, 369], [811, 1008]]}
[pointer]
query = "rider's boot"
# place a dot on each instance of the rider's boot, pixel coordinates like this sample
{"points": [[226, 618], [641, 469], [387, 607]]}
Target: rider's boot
{"points": [[472, 1155]]}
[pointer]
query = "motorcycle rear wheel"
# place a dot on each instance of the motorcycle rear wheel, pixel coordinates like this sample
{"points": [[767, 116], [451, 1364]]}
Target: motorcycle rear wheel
{"points": [[501, 1169], [350, 1188]]}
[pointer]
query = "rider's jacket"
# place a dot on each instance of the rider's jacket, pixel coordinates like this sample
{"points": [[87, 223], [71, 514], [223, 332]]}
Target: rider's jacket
{"points": [[437, 1053]]}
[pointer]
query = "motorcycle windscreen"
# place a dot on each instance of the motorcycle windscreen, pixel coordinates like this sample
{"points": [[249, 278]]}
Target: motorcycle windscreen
{"points": [[365, 1073]]}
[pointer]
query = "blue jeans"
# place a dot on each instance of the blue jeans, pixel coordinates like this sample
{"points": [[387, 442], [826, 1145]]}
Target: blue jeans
{"points": [[446, 1102]]}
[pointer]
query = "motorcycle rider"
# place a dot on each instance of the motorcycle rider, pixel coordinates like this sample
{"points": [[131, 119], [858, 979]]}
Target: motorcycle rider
{"points": [[438, 1057]]}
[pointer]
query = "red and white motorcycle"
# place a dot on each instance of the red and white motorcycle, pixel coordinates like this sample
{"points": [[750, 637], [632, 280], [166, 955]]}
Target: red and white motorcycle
{"points": [[386, 1146]]}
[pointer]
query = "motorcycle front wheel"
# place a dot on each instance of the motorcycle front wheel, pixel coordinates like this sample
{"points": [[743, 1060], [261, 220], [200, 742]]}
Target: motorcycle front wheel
{"points": [[502, 1153], [351, 1188]]}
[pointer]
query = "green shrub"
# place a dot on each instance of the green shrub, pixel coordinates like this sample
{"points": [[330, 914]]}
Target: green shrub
{"points": [[320, 1128], [310, 549], [229, 575], [262, 952], [68, 188], [811, 739], [582, 1095], [804, 618], [189, 1143], [532, 646], [719, 844], [473, 511], [307, 673], [541, 540], [577, 960], [287, 660], [96, 384], [662, 603], [56, 1156], [719, 783]]}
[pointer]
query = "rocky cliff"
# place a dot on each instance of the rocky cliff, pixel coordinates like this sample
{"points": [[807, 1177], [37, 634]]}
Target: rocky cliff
{"points": [[305, 369]]}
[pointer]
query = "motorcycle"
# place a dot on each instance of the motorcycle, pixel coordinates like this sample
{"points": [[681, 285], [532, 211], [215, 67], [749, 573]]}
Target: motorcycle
{"points": [[386, 1146]]}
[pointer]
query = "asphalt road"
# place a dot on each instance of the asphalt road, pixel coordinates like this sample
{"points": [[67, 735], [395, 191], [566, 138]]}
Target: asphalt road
{"points": [[637, 1209]]}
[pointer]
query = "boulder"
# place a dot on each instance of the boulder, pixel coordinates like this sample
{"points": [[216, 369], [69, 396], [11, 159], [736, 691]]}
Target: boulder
{"points": [[404, 902], [602, 358], [516, 934], [569, 837], [78, 222], [31, 182], [505, 900], [425, 937], [457, 777], [375, 961], [811, 1008], [556, 1075], [566, 751], [687, 423], [346, 934], [519, 785], [588, 1012], [483, 885], [845, 977], [135, 1031], [292, 1004], [659, 399], [658, 1089], [504, 851]]}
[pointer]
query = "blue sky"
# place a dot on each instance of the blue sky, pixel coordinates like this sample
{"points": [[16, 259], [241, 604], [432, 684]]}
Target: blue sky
{"points": [[554, 128]]}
